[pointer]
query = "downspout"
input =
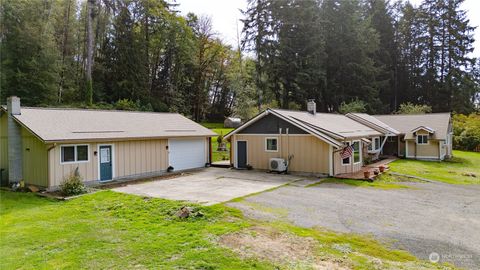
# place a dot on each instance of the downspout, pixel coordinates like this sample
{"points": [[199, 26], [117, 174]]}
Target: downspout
{"points": [[280, 143], [48, 164]]}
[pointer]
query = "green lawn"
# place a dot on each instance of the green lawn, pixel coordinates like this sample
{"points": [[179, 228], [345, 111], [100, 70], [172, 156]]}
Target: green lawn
{"points": [[109, 230], [454, 171], [219, 129]]}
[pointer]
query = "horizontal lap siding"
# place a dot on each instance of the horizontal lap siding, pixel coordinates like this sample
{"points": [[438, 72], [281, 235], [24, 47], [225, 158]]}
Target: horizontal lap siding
{"points": [[350, 168], [310, 154]]}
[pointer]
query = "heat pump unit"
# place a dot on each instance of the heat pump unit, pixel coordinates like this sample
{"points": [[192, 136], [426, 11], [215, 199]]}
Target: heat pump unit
{"points": [[278, 165]]}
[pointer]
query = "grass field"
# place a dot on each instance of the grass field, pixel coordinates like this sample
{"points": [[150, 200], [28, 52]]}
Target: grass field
{"points": [[458, 170], [109, 230], [219, 129]]}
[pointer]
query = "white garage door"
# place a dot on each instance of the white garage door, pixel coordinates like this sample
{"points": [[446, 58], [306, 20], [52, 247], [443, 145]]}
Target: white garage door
{"points": [[186, 153]]}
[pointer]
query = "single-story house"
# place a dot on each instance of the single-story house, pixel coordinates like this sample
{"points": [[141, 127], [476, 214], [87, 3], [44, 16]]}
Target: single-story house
{"points": [[311, 142], [418, 136], [42, 146]]}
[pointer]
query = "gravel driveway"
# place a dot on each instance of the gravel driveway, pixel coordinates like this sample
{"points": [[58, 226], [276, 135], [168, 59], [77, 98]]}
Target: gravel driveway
{"points": [[427, 218]]}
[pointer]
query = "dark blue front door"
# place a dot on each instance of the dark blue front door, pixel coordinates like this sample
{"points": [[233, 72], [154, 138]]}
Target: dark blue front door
{"points": [[105, 162], [242, 154]]}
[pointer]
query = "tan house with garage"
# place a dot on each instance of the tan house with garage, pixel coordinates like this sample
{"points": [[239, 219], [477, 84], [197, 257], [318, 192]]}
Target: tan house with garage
{"points": [[42, 146], [418, 136], [300, 141]]}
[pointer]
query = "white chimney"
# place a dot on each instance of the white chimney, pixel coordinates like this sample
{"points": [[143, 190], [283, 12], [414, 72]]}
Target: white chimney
{"points": [[13, 105], [15, 155], [311, 106]]}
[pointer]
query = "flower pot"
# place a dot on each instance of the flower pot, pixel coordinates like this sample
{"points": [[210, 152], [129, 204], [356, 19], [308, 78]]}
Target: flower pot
{"points": [[366, 174], [382, 168]]}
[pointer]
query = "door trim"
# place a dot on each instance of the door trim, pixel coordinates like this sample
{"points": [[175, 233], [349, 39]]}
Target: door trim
{"points": [[112, 159], [236, 152]]}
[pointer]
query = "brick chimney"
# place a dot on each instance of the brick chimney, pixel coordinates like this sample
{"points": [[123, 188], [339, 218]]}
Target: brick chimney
{"points": [[15, 155], [312, 106]]}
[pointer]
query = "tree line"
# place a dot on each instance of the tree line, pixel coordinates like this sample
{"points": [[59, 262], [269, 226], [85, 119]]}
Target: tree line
{"points": [[372, 55], [375, 53]]}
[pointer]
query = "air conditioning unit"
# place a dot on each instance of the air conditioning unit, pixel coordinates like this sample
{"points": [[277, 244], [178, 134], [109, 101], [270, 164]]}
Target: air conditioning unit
{"points": [[277, 165]]}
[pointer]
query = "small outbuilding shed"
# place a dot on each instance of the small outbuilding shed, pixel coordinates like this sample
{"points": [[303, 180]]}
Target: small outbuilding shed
{"points": [[42, 146], [232, 122]]}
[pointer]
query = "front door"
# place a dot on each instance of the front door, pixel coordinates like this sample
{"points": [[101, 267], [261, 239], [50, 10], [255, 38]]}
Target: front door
{"points": [[105, 162], [242, 154]]}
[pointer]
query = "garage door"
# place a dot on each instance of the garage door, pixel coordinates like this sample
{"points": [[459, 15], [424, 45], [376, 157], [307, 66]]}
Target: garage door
{"points": [[186, 153]]}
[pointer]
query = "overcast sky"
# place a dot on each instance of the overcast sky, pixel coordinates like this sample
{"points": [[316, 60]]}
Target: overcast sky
{"points": [[225, 16]]}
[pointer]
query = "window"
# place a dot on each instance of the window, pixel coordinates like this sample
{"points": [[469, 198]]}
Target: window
{"points": [[271, 144], [68, 153], [74, 153], [375, 145], [346, 161], [356, 152], [422, 139], [391, 139], [82, 153]]}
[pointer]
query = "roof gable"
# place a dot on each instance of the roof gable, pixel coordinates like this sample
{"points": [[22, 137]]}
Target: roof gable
{"points": [[407, 123]]}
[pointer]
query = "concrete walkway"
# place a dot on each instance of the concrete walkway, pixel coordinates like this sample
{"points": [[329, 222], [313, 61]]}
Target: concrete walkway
{"points": [[210, 186]]}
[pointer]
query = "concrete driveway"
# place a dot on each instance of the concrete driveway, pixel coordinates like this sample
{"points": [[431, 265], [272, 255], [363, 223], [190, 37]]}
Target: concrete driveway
{"points": [[209, 186], [429, 218]]}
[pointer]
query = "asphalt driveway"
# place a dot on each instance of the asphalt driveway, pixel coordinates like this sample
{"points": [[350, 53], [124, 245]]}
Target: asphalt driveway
{"points": [[209, 186], [429, 218]]}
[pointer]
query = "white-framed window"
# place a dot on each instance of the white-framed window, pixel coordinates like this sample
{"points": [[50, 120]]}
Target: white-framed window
{"points": [[74, 153], [271, 144], [422, 139], [357, 153], [375, 145], [346, 161]]}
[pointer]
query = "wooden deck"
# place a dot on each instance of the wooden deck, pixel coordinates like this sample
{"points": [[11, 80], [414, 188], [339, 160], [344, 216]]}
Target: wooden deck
{"points": [[371, 167]]}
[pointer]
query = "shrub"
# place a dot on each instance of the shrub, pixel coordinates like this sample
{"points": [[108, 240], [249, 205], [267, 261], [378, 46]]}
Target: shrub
{"points": [[466, 131], [73, 184], [220, 138], [354, 106], [410, 108]]}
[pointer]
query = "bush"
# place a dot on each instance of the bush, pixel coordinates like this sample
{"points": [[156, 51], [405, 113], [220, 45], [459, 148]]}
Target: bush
{"points": [[354, 106], [466, 131], [410, 108], [73, 184], [220, 138]]}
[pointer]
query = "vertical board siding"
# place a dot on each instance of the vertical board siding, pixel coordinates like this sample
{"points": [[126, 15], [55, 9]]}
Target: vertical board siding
{"points": [[350, 168], [34, 160], [4, 144], [309, 153], [430, 150], [130, 158]]}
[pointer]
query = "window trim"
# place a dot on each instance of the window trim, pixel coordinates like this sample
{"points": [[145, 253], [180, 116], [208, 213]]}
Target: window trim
{"points": [[422, 143], [75, 153], [371, 146], [349, 158], [266, 144], [359, 152]]}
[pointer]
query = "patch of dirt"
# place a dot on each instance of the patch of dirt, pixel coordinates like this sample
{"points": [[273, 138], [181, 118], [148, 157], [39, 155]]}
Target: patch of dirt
{"points": [[286, 249]]}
